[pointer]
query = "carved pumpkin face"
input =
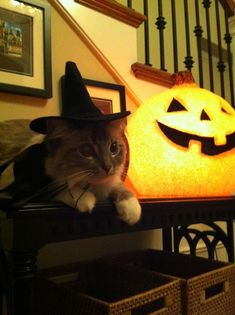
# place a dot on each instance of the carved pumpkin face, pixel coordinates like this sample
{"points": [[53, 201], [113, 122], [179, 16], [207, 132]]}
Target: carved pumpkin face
{"points": [[182, 144]]}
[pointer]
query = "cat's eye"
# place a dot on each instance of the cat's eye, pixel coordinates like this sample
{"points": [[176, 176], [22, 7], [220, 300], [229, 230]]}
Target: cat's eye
{"points": [[86, 150], [114, 148]]}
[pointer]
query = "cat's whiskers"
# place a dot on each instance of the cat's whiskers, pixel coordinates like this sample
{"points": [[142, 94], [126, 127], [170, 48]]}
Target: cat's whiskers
{"points": [[83, 173], [81, 177]]}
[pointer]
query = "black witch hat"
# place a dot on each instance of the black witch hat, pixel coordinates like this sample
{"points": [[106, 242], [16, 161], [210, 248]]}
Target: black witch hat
{"points": [[76, 102]]}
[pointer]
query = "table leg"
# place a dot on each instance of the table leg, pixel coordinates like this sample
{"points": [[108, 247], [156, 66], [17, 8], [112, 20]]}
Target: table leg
{"points": [[3, 278], [21, 270], [167, 239], [230, 234]]}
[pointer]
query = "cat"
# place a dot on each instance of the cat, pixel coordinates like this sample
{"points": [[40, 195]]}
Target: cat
{"points": [[91, 158]]}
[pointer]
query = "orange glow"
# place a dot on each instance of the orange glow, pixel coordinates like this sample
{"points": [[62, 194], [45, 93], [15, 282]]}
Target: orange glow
{"points": [[161, 168]]}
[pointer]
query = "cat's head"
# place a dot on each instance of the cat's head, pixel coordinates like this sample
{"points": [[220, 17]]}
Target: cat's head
{"points": [[93, 153]]}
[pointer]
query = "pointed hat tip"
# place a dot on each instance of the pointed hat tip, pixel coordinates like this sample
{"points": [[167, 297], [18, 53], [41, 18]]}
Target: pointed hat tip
{"points": [[72, 69]]}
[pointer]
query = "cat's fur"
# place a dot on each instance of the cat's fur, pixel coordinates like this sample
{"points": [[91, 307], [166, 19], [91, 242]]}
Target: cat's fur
{"points": [[92, 160], [16, 136]]}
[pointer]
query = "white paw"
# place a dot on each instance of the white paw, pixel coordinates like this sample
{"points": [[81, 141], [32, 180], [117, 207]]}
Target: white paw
{"points": [[87, 202], [129, 210]]}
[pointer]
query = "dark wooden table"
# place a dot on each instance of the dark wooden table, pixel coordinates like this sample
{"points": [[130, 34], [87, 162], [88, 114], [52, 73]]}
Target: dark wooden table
{"points": [[24, 231]]}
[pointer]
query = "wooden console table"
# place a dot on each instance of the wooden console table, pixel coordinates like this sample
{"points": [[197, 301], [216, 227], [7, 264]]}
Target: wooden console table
{"points": [[24, 231]]}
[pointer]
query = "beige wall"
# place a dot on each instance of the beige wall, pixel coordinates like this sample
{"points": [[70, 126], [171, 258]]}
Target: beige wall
{"points": [[65, 46]]}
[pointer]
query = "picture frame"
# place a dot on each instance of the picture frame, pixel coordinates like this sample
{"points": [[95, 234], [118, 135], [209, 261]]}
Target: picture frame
{"points": [[108, 97], [25, 47]]}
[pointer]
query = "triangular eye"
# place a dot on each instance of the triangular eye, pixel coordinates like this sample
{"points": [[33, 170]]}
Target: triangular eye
{"points": [[204, 116], [224, 111], [175, 106]]}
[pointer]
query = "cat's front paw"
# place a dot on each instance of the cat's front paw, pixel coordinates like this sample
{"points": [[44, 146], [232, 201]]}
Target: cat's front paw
{"points": [[129, 210], [87, 202]]}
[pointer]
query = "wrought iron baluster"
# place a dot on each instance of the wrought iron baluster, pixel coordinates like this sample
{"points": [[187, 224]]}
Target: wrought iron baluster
{"points": [[160, 23], [220, 64], [198, 33], [129, 3], [188, 60], [146, 34], [174, 32], [228, 40], [207, 5]]}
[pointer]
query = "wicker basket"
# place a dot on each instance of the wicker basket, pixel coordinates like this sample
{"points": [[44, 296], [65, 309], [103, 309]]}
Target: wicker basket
{"points": [[100, 288], [207, 286]]}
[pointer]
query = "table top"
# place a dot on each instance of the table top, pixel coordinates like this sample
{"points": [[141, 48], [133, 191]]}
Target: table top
{"points": [[36, 224], [201, 208]]}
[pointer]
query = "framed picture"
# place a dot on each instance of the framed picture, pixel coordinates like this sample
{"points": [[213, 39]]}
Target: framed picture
{"points": [[109, 97], [25, 47]]}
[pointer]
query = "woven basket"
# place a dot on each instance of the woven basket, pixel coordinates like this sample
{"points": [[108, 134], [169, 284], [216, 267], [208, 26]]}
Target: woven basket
{"points": [[100, 288], [207, 286]]}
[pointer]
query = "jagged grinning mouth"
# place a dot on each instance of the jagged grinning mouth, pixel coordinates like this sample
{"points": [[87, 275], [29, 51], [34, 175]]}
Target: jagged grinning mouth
{"points": [[208, 146]]}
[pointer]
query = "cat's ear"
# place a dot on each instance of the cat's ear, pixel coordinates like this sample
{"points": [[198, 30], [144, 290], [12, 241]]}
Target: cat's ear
{"points": [[56, 128], [118, 125]]}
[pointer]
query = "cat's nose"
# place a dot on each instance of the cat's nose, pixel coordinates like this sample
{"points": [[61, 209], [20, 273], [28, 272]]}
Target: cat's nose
{"points": [[107, 168]]}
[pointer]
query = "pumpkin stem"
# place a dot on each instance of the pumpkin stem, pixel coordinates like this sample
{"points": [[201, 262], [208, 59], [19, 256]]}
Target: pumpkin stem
{"points": [[182, 77]]}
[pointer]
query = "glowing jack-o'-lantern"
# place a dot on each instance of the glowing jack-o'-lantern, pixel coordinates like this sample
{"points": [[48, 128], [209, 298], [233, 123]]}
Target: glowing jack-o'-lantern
{"points": [[182, 143]]}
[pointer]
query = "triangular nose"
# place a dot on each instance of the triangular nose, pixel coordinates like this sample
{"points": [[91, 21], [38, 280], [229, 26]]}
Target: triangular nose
{"points": [[107, 168], [204, 116]]}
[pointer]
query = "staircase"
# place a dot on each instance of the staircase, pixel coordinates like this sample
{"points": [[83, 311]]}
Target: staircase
{"points": [[110, 31], [113, 42]]}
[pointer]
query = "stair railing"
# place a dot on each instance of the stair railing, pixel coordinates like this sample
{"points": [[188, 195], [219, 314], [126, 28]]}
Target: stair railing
{"points": [[189, 34]]}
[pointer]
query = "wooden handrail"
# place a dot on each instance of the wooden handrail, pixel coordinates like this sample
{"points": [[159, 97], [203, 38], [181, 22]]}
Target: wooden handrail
{"points": [[230, 5], [120, 12], [115, 10], [151, 74]]}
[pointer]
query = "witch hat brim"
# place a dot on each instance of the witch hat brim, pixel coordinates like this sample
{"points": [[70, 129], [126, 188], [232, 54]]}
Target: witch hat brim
{"points": [[76, 102]]}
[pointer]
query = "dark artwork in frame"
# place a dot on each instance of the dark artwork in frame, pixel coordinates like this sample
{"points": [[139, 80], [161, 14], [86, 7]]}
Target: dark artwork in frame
{"points": [[25, 48], [108, 97], [105, 105], [16, 36]]}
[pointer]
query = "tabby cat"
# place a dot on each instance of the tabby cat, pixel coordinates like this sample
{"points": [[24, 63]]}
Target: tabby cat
{"points": [[91, 159]]}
